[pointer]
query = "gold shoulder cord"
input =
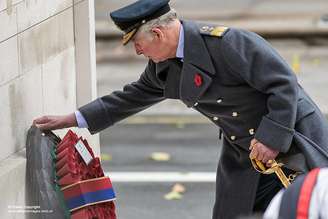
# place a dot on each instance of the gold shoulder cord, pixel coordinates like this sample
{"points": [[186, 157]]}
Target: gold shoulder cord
{"points": [[217, 31]]}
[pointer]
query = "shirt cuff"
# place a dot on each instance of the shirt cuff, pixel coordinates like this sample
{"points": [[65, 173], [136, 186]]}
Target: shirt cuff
{"points": [[81, 122]]}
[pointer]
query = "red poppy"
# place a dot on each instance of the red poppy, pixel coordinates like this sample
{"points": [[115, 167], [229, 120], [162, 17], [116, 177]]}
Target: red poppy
{"points": [[198, 80]]}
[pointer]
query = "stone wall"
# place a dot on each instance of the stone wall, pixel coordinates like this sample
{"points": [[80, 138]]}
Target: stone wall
{"points": [[47, 66]]}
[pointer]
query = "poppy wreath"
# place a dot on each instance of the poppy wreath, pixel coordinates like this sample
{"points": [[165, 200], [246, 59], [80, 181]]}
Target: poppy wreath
{"points": [[84, 189]]}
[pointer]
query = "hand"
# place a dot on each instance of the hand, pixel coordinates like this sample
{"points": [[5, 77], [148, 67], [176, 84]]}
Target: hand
{"points": [[262, 152], [55, 122]]}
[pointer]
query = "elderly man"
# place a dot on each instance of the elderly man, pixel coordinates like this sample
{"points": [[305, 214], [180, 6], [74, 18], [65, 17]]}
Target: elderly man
{"points": [[231, 76]]}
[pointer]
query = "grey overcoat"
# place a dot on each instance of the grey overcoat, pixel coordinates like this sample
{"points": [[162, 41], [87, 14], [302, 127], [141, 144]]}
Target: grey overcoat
{"points": [[241, 84]]}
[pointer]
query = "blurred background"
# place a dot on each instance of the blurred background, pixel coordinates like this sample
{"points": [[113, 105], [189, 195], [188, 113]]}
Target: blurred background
{"points": [[185, 144]]}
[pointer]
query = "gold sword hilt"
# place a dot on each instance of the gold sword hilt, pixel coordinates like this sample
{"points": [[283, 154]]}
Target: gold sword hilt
{"points": [[275, 168]]}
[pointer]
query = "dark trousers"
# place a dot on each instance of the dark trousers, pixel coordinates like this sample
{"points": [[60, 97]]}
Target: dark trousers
{"points": [[268, 187]]}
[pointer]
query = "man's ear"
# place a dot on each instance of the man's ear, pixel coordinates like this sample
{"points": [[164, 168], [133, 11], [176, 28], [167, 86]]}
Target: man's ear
{"points": [[158, 33]]}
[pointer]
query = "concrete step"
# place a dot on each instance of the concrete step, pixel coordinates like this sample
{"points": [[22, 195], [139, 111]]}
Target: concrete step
{"points": [[272, 17]]}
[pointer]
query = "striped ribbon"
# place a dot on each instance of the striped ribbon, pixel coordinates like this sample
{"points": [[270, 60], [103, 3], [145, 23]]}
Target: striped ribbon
{"points": [[88, 192]]}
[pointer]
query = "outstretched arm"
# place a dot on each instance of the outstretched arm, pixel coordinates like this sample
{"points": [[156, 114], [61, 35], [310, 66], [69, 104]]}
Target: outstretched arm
{"points": [[135, 97], [107, 110]]}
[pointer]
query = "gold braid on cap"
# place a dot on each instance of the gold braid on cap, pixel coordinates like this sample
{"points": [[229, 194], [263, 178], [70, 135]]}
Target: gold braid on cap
{"points": [[131, 31], [128, 36]]}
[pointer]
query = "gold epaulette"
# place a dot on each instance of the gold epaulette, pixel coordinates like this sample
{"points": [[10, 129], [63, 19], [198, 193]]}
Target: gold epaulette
{"points": [[217, 31]]}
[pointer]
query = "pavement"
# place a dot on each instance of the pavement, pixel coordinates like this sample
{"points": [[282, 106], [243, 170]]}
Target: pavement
{"points": [[141, 183]]}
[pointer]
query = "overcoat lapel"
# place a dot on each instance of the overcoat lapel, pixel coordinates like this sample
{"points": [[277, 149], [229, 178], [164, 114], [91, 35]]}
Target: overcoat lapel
{"points": [[169, 72], [172, 89], [197, 63]]}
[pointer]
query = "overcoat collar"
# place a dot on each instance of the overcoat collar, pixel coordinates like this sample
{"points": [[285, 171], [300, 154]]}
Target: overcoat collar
{"points": [[180, 77], [195, 50], [197, 61]]}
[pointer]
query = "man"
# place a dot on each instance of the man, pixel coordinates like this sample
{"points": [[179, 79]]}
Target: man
{"points": [[231, 76]]}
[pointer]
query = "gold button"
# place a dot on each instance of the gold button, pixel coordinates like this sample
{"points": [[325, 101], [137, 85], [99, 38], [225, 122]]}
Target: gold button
{"points": [[234, 114], [215, 118], [233, 137], [196, 104], [205, 28], [251, 131], [219, 101]]}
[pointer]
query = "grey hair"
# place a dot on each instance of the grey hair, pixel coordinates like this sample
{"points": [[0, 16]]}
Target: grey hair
{"points": [[162, 21]]}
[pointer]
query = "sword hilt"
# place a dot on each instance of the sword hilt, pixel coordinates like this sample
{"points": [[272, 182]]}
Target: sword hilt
{"points": [[275, 168]]}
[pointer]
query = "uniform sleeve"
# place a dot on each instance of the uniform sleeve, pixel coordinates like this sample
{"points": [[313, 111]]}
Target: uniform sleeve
{"points": [[81, 123], [135, 97], [253, 59]]}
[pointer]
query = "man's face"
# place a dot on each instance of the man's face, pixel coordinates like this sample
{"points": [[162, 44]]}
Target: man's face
{"points": [[152, 47]]}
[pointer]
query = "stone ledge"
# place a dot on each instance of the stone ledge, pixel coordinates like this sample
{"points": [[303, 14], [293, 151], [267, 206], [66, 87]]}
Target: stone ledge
{"points": [[12, 185]]}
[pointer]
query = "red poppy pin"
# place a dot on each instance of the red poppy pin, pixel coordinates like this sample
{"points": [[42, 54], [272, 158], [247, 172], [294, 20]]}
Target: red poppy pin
{"points": [[198, 80]]}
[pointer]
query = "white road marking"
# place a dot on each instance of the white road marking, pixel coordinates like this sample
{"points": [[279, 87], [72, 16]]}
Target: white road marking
{"points": [[161, 176]]}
